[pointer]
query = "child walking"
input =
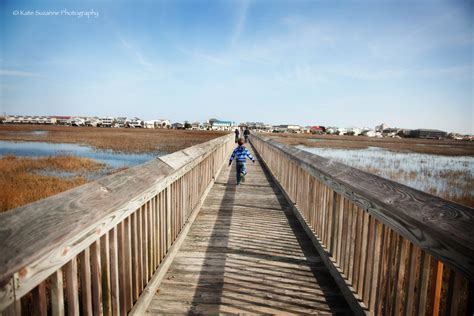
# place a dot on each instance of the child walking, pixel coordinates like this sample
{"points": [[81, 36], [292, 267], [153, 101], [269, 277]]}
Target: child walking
{"points": [[241, 153]]}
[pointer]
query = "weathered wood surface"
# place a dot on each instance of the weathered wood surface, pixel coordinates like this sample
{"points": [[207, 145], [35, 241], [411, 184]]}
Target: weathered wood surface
{"points": [[74, 219], [440, 227], [69, 214], [247, 253]]}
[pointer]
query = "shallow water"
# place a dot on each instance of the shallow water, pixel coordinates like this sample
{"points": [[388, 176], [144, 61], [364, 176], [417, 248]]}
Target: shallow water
{"points": [[40, 149], [435, 174]]}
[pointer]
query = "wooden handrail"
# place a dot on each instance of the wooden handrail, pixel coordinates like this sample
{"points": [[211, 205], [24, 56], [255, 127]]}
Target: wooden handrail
{"points": [[135, 214], [352, 213]]}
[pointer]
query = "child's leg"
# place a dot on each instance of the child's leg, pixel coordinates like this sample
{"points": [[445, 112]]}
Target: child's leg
{"points": [[244, 168], [238, 167]]}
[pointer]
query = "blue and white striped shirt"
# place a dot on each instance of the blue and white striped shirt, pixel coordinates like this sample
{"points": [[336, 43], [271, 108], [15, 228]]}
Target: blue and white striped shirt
{"points": [[241, 153]]}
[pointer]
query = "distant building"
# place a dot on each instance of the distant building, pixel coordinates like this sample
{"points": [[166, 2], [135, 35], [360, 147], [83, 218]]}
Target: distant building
{"points": [[353, 131], [381, 127], [121, 121], [162, 123], [316, 129], [76, 121], [92, 121], [106, 121], [135, 123], [61, 120], [221, 125], [341, 131], [390, 132], [371, 133], [291, 128], [177, 125], [428, 133], [196, 126]]}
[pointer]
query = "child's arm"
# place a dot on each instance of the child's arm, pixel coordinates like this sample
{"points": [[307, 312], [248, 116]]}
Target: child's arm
{"points": [[232, 156], [247, 152]]}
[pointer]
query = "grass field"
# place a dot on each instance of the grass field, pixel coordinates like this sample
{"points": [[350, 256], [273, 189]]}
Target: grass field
{"points": [[132, 140], [23, 180], [424, 146], [442, 176]]}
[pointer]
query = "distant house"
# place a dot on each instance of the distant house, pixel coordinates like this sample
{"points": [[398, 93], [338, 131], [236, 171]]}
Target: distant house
{"points": [[162, 123], [76, 121], [341, 131], [221, 125], [428, 133], [372, 133], [316, 129], [196, 126], [92, 121], [177, 125], [121, 121], [381, 127], [390, 132], [106, 121], [149, 124], [287, 128], [61, 120], [404, 132], [331, 130], [353, 131], [135, 123]]}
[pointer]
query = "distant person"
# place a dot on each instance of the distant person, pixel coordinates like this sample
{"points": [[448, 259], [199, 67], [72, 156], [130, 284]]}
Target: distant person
{"points": [[237, 133], [241, 153], [246, 135]]}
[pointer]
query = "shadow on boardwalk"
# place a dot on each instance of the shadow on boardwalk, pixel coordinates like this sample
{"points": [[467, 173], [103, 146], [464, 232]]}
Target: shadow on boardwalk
{"points": [[247, 253]]}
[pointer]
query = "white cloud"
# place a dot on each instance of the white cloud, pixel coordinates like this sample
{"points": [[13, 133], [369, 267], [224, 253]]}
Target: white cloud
{"points": [[139, 57], [207, 57], [239, 26], [17, 73]]}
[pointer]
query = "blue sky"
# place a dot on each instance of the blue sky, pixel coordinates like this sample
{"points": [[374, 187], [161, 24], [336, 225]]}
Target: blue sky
{"points": [[342, 63]]}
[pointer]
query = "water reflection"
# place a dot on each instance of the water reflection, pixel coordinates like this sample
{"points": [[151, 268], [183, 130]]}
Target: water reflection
{"points": [[446, 176], [110, 158]]}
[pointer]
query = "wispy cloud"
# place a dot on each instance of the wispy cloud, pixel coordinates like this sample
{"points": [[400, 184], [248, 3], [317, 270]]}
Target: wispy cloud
{"points": [[207, 57], [242, 9], [139, 57], [17, 73]]}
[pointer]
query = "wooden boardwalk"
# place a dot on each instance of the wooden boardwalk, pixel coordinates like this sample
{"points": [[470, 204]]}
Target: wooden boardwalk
{"points": [[247, 253]]}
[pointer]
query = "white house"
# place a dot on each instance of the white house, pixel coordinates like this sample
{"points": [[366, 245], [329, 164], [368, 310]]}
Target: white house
{"points": [[222, 125], [135, 123], [106, 121], [92, 121], [381, 127], [341, 131], [162, 123], [76, 121]]}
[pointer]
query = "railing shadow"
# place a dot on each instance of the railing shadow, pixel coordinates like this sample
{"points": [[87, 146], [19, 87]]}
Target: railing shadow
{"points": [[258, 260]]}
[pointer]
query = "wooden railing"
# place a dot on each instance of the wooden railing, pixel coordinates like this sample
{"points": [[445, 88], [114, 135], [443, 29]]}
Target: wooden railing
{"points": [[93, 249], [393, 250]]}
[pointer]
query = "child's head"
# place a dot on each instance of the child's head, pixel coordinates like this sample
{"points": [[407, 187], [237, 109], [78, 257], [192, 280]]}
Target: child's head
{"points": [[240, 142]]}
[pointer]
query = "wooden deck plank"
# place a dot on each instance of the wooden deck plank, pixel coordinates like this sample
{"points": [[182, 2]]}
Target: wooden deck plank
{"points": [[247, 253]]}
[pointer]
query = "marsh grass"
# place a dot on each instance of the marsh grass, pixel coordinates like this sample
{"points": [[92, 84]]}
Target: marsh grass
{"points": [[424, 146], [127, 140], [21, 184], [451, 178]]}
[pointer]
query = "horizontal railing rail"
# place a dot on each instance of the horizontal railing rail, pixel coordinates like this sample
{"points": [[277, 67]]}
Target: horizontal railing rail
{"points": [[93, 249], [392, 249]]}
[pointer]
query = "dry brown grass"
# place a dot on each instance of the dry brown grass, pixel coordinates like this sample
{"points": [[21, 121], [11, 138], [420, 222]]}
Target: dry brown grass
{"points": [[425, 146], [20, 180], [131, 140], [20, 184]]}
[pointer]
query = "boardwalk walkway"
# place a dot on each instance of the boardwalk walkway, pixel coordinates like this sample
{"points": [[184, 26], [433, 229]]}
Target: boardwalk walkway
{"points": [[247, 253]]}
